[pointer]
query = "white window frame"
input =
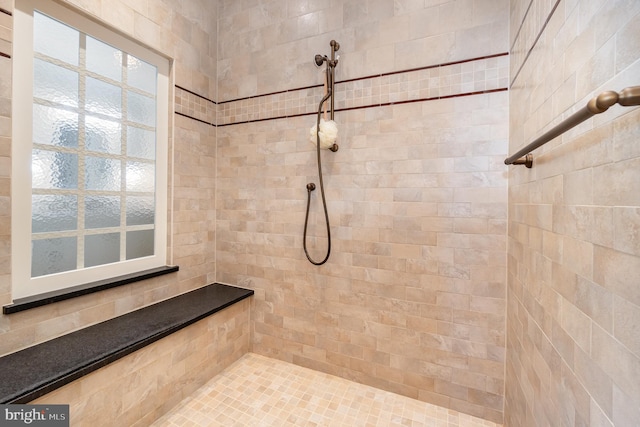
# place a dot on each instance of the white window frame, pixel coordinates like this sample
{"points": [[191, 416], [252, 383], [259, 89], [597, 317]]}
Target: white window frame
{"points": [[22, 103]]}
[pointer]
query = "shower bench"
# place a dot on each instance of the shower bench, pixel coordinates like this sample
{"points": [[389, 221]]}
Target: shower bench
{"points": [[42, 368]]}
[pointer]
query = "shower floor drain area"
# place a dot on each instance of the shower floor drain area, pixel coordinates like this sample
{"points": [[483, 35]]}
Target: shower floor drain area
{"points": [[259, 391]]}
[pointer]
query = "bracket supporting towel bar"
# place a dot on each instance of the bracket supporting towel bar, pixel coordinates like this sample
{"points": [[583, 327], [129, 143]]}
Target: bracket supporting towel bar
{"points": [[627, 97]]}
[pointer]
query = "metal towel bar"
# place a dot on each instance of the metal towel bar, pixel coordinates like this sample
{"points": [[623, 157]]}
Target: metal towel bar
{"points": [[627, 97]]}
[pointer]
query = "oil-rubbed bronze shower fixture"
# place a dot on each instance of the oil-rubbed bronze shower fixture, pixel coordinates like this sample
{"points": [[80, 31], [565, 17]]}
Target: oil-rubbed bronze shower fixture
{"points": [[526, 160], [331, 64], [330, 77], [335, 46]]}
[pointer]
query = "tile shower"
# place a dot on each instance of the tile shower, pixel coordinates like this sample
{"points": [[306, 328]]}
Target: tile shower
{"points": [[500, 292], [413, 298]]}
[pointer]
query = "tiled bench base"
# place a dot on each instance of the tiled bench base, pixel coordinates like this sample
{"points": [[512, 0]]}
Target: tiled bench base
{"points": [[133, 368]]}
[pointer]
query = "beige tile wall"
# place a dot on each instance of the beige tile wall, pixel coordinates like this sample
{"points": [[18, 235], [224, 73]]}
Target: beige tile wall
{"points": [[573, 249], [269, 46], [184, 30], [412, 299], [139, 388]]}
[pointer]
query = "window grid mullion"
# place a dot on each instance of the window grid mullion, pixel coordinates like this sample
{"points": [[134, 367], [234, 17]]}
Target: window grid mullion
{"points": [[89, 232], [82, 98], [89, 73], [123, 162], [77, 110]]}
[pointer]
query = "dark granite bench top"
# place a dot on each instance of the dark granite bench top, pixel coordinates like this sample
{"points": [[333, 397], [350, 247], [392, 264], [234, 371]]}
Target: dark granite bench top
{"points": [[35, 371]]}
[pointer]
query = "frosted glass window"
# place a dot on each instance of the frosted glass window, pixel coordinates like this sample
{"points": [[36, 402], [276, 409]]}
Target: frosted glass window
{"points": [[101, 249], [141, 109], [55, 83], [53, 213], [141, 75], [102, 174], [139, 243], [54, 39], [103, 98], [140, 176], [103, 135], [101, 211], [104, 59], [91, 157], [51, 256], [140, 210], [54, 126], [141, 143], [51, 169]]}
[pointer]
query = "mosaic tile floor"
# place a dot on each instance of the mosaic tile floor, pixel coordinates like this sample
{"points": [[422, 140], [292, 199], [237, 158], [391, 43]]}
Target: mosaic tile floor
{"points": [[259, 391]]}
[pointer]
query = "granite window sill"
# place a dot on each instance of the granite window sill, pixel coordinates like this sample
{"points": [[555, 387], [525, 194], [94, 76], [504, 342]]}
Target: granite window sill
{"points": [[88, 288]]}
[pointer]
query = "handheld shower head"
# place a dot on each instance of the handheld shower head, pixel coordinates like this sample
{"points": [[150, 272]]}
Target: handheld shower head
{"points": [[335, 46], [320, 60]]}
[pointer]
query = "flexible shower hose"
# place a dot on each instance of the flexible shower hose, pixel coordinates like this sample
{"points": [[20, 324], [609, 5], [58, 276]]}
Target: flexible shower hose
{"points": [[311, 186]]}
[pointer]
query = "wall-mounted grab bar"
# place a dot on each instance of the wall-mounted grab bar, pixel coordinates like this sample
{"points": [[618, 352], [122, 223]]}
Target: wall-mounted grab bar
{"points": [[627, 97]]}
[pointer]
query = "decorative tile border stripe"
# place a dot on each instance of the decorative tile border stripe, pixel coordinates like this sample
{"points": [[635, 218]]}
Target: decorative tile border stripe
{"points": [[193, 118], [426, 83], [195, 94], [409, 101], [535, 41], [276, 105], [426, 67], [269, 118], [524, 18], [190, 104], [501, 89], [460, 78], [5, 55], [270, 93], [467, 77], [6, 12]]}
